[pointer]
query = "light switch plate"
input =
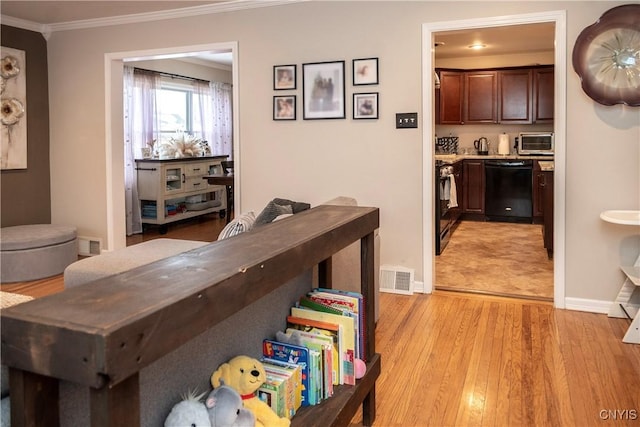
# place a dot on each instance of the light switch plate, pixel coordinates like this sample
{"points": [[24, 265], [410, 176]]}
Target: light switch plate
{"points": [[406, 120]]}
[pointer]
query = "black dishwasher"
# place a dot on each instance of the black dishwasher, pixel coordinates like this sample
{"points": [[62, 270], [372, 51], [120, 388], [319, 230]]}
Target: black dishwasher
{"points": [[508, 191]]}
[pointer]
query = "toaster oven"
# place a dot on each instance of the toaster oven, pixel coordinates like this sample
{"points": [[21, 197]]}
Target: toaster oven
{"points": [[535, 144]]}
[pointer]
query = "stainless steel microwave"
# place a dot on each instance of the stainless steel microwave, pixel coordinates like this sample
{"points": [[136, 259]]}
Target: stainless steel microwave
{"points": [[535, 143]]}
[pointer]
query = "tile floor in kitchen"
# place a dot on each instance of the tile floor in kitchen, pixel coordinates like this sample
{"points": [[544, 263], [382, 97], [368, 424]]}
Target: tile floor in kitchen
{"points": [[506, 259]]}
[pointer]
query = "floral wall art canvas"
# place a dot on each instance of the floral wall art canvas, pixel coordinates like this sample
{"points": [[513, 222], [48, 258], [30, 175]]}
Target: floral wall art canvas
{"points": [[13, 86]]}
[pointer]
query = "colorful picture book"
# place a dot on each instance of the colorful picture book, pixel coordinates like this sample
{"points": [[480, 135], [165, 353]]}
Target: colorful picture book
{"points": [[286, 400], [322, 343], [351, 304], [298, 355], [329, 330], [346, 337]]}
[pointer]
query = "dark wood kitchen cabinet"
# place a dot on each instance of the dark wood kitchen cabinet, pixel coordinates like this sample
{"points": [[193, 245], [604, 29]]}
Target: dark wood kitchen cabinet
{"points": [[450, 97], [480, 97], [515, 98], [537, 193], [473, 186], [520, 95], [543, 94], [546, 186]]}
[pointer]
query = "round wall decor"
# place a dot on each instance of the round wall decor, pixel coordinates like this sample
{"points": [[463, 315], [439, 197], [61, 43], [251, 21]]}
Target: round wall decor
{"points": [[606, 56]]}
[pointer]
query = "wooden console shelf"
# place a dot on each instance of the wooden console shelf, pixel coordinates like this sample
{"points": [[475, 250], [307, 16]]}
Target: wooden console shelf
{"points": [[102, 334]]}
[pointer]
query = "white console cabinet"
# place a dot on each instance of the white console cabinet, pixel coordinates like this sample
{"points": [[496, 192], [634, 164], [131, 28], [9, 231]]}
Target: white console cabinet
{"points": [[173, 189]]}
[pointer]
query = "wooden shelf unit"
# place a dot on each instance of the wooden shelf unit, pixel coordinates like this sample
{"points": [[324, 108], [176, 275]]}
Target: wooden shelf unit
{"points": [[91, 335], [166, 182]]}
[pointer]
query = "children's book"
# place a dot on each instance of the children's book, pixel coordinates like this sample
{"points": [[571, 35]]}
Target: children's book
{"points": [[346, 337], [289, 387], [331, 330], [353, 302], [296, 379], [273, 392], [323, 344], [293, 354]]}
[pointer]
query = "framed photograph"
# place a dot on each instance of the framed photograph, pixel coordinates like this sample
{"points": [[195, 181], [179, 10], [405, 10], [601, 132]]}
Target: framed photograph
{"points": [[365, 105], [284, 77], [323, 90], [284, 107], [365, 71]]}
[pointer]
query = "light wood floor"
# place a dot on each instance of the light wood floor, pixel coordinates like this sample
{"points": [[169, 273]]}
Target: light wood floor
{"points": [[458, 359], [455, 359], [497, 258]]}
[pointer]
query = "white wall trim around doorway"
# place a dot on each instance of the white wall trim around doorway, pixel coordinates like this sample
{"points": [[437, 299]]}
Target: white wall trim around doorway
{"points": [[428, 117]]}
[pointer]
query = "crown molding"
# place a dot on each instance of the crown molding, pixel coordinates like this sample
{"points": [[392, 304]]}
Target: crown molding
{"points": [[24, 24], [230, 6]]}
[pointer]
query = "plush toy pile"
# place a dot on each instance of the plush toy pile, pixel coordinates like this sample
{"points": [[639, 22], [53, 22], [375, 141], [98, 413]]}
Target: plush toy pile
{"points": [[245, 375], [222, 408]]}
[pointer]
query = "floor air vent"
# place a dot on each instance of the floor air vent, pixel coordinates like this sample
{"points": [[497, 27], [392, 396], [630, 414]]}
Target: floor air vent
{"points": [[397, 280], [89, 246]]}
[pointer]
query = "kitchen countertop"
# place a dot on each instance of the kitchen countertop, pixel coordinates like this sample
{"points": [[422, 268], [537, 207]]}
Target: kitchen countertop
{"points": [[457, 157], [546, 166]]}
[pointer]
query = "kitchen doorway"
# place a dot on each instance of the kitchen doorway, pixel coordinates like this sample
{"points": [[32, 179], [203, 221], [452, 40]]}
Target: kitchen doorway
{"points": [[116, 229], [430, 31]]}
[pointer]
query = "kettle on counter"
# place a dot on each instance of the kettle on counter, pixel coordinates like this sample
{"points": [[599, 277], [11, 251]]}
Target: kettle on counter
{"points": [[482, 145]]}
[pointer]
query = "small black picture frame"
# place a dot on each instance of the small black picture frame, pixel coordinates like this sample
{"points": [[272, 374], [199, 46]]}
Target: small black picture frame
{"points": [[284, 107], [365, 105], [365, 71], [284, 77]]}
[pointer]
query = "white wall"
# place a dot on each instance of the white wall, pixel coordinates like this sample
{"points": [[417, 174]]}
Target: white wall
{"points": [[370, 160]]}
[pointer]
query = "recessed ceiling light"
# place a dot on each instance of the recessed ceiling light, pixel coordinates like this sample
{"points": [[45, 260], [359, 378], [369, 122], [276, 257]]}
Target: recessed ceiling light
{"points": [[477, 46]]}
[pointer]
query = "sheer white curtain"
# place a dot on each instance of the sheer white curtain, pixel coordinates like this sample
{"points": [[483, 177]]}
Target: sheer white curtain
{"points": [[140, 120], [221, 139]]}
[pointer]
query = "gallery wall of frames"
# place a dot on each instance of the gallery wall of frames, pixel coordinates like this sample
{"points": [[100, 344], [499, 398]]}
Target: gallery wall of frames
{"points": [[324, 90]]}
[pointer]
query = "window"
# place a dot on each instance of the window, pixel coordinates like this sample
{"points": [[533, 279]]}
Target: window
{"points": [[175, 109]]}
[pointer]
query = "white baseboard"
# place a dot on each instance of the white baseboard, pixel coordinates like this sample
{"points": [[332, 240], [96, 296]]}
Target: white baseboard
{"points": [[575, 304], [588, 305], [418, 287]]}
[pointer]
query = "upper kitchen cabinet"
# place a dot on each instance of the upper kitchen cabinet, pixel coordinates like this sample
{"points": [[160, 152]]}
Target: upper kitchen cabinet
{"points": [[515, 89], [480, 100], [522, 95], [543, 84], [450, 97]]}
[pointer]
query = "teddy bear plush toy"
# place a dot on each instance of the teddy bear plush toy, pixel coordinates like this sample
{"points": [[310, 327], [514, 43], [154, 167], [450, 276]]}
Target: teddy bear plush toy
{"points": [[224, 405], [245, 375]]}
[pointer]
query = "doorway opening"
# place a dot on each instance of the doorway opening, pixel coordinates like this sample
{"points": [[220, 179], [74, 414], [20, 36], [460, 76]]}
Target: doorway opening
{"points": [[114, 127], [558, 19]]}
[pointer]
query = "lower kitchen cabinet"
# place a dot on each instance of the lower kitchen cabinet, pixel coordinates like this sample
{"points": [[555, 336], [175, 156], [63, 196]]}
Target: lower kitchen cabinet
{"points": [[546, 186], [473, 186], [538, 193]]}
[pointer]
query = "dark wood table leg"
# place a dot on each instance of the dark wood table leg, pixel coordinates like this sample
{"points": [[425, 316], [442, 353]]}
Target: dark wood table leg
{"points": [[116, 406], [325, 274], [229, 207], [34, 399]]}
